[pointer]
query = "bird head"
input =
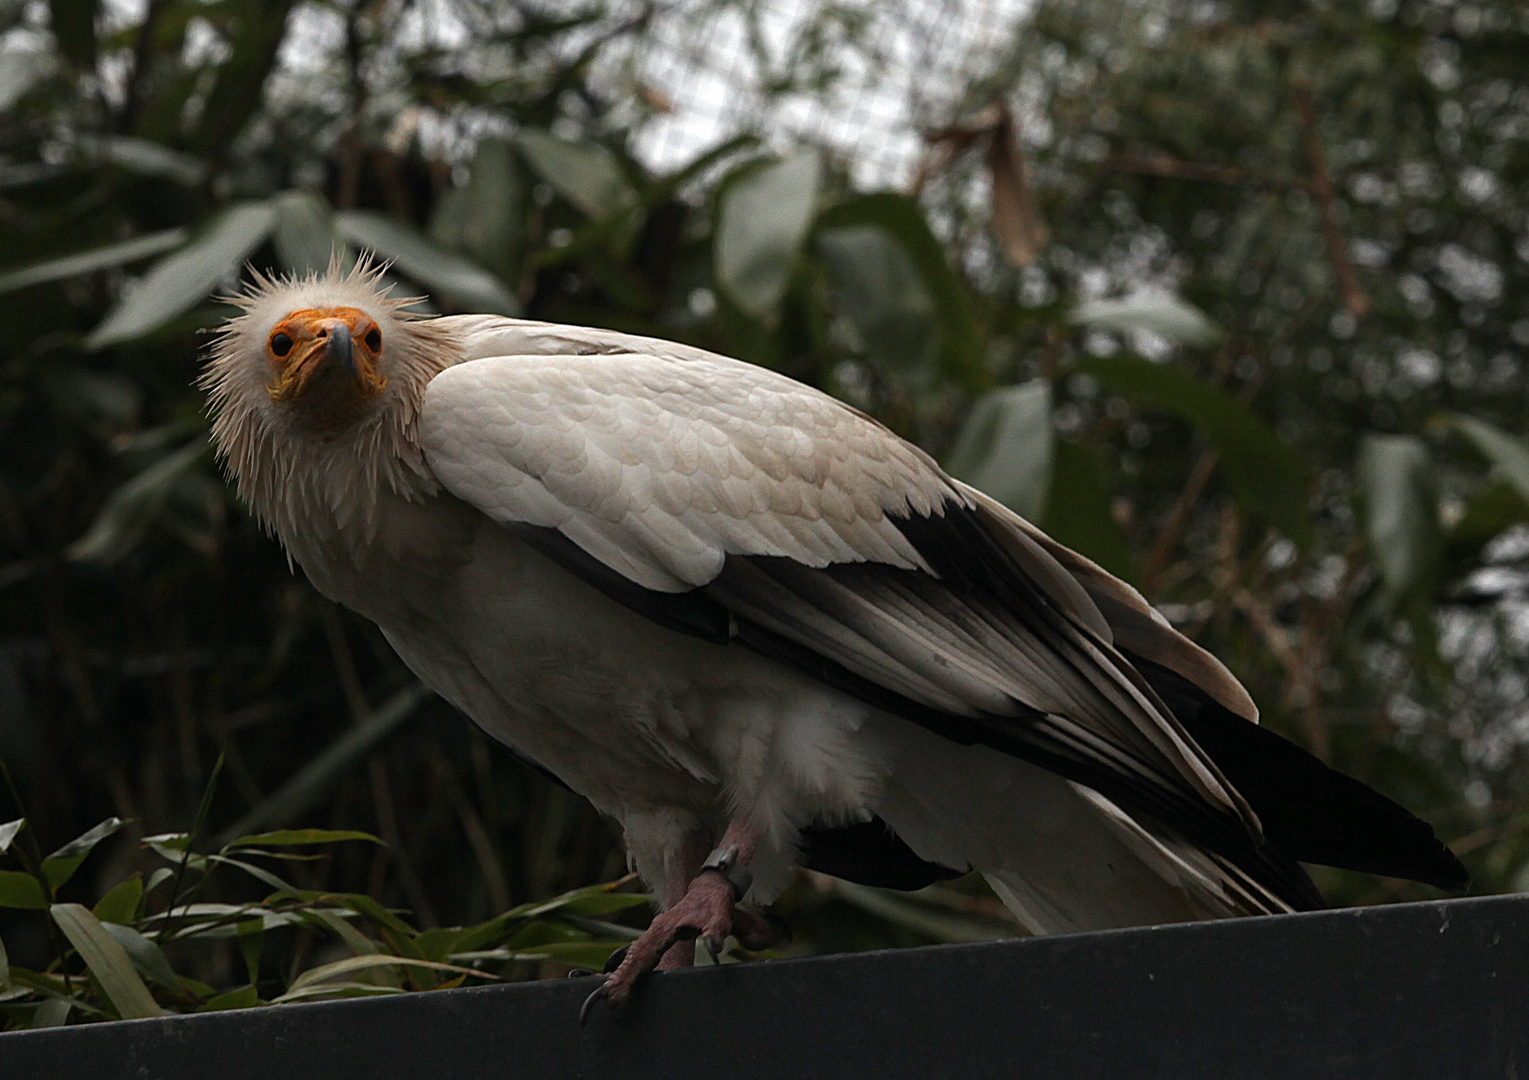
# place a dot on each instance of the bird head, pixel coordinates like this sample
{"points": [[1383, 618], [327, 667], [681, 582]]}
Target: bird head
{"points": [[320, 351], [322, 374]]}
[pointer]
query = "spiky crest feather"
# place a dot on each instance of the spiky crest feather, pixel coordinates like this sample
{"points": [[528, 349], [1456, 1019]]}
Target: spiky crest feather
{"points": [[299, 477]]}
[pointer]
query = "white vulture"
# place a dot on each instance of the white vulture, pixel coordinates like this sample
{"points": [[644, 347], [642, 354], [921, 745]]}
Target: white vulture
{"points": [[759, 630]]}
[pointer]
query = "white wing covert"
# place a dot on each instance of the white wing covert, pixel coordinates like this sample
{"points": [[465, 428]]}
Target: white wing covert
{"points": [[661, 467]]}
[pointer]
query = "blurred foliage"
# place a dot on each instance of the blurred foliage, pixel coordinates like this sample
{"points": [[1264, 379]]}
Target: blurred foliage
{"points": [[1229, 296], [118, 960]]}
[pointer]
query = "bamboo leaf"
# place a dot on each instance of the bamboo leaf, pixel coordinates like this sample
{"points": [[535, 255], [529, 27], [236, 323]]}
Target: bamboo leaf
{"points": [[146, 955], [61, 865], [21, 890], [244, 997], [304, 235], [1005, 447], [1401, 503], [960, 340], [352, 964], [1267, 476], [881, 291], [120, 905], [101, 258], [449, 275], [1159, 313], [493, 210], [302, 837], [107, 961], [132, 510], [330, 990], [178, 282], [1082, 519], [147, 158], [586, 174], [760, 228], [8, 833], [52, 1013], [1509, 455]]}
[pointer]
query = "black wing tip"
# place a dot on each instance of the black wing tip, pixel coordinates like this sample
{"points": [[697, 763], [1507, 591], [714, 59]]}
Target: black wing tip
{"points": [[1309, 810]]}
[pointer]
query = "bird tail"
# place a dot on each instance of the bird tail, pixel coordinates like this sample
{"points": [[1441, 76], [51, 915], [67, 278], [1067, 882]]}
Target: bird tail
{"points": [[1309, 811]]}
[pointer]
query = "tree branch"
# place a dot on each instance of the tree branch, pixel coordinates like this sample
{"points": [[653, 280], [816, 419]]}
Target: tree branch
{"points": [[1321, 188]]}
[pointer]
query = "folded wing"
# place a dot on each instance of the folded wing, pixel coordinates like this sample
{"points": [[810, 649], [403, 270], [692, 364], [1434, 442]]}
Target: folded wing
{"points": [[729, 502]]}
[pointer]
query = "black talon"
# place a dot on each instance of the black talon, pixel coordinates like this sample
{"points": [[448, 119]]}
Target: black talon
{"points": [[589, 1002], [615, 959]]}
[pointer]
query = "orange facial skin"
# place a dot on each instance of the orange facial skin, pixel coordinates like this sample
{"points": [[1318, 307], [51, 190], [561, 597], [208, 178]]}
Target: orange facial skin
{"points": [[307, 341]]}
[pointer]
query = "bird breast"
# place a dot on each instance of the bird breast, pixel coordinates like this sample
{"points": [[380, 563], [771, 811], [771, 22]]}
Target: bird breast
{"points": [[635, 717]]}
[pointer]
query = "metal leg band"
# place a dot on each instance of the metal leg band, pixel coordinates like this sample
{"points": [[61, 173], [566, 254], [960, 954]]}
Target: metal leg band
{"points": [[724, 861]]}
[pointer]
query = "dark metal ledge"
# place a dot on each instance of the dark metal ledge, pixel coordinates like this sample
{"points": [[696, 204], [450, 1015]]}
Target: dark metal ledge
{"points": [[1417, 990]]}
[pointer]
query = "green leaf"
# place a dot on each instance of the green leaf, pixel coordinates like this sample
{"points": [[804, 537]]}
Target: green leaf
{"points": [[960, 340], [586, 174], [101, 258], [120, 905], [107, 961], [1265, 475], [146, 955], [1508, 455], [177, 842], [492, 223], [251, 942], [8, 833], [334, 990], [300, 837], [586, 954], [364, 963], [603, 903], [51, 1013], [131, 511], [148, 158], [1079, 513], [21, 890], [1005, 447], [180, 281], [27, 62], [1160, 313], [304, 236], [881, 291], [5, 970], [245, 997], [1492, 509], [763, 220], [1401, 501], [61, 865], [460, 280]]}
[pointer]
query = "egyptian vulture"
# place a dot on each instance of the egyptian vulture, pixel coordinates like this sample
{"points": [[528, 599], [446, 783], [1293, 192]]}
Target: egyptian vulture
{"points": [[759, 630]]}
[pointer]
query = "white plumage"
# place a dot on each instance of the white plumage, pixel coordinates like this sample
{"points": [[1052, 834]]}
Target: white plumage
{"points": [[713, 600]]}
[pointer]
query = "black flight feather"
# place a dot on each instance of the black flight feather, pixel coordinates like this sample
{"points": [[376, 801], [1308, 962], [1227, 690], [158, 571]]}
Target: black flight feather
{"points": [[1313, 812]]}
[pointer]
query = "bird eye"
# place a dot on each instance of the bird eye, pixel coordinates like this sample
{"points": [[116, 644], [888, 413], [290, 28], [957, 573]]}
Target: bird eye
{"points": [[373, 339], [281, 344]]}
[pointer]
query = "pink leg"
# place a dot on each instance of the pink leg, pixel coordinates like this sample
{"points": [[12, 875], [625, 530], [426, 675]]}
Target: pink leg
{"points": [[680, 872], [706, 907]]}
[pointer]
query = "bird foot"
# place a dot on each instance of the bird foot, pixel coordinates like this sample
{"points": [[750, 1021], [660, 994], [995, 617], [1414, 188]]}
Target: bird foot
{"points": [[707, 910]]}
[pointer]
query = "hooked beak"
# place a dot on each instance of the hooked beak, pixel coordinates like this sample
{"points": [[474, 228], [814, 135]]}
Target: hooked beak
{"points": [[307, 344]]}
